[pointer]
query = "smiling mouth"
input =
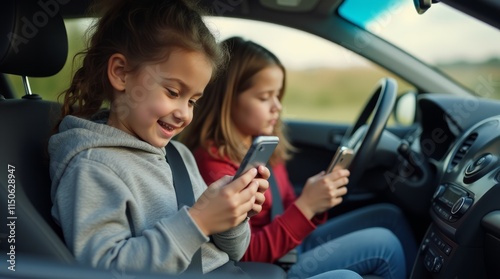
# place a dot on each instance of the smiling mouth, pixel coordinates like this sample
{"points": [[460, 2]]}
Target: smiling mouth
{"points": [[165, 126]]}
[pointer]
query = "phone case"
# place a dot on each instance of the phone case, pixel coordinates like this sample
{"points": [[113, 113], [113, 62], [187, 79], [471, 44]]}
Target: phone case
{"points": [[258, 154], [343, 156]]}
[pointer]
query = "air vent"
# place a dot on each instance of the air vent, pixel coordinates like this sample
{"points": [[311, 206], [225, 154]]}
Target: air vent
{"points": [[462, 150]]}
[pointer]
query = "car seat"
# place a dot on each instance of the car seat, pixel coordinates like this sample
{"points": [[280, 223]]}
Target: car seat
{"points": [[37, 46]]}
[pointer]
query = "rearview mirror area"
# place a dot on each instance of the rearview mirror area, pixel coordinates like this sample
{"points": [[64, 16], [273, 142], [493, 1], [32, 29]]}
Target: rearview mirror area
{"points": [[406, 108], [423, 5]]}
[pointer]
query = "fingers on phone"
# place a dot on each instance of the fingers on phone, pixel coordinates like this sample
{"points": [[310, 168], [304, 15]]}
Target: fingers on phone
{"points": [[243, 181], [264, 172], [342, 191], [338, 173]]}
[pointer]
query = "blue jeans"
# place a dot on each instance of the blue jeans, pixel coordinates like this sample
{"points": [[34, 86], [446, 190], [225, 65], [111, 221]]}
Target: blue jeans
{"points": [[337, 274], [382, 215], [369, 240]]}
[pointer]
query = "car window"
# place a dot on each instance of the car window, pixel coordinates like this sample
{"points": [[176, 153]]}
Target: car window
{"points": [[460, 46], [325, 82]]}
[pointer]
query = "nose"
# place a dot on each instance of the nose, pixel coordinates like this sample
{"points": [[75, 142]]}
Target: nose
{"points": [[182, 113], [276, 104]]}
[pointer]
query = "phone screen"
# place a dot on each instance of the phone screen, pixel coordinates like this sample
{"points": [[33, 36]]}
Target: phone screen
{"points": [[259, 153]]}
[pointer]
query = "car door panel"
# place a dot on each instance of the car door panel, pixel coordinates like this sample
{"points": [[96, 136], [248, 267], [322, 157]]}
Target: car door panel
{"points": [[316, 143]]}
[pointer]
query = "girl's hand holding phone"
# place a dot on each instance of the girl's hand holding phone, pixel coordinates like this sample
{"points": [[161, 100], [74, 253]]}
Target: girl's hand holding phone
{"points": [[323, 191], [263, 176], [226, 202]]}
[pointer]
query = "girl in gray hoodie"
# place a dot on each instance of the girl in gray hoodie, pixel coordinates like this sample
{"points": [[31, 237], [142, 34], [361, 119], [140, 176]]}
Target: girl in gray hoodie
{"points": [[112, 189]]}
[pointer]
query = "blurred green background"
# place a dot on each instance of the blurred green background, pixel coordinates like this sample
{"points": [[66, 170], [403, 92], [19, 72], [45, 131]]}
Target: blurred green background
{"points": [[321, 94]]}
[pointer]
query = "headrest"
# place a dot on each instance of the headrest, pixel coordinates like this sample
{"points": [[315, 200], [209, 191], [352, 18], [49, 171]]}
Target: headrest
{"points": [[34, 41]]}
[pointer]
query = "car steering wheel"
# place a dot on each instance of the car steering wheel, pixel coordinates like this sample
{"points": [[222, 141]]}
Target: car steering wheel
{"points": [[363, 137]]}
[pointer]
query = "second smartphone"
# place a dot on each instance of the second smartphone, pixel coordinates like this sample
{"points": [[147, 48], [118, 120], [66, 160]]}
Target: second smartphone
{"points": [[343, 157], [258, 154]]}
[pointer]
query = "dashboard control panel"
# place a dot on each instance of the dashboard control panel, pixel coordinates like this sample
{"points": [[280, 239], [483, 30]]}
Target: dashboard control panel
{"points": [[436, 251], [450, 202]]}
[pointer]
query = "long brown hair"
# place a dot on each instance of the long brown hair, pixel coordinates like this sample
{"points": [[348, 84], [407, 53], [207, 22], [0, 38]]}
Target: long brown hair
{"points": [[212, 122], [143, 31]]}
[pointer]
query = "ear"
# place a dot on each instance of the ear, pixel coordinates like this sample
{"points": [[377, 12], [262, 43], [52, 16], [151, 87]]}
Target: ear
{"points": [[116, 71]]}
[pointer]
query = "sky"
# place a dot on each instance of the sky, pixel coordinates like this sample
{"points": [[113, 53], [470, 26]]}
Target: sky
{"points": [[439, 35]]}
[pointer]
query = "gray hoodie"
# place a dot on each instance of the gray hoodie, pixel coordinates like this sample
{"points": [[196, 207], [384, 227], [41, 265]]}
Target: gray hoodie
{"points": [[114, 199]]}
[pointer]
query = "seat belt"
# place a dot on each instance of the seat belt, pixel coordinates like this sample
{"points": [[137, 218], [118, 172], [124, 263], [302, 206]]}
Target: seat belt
{"points": [[183, 192], [277, 206], [289, 258]]}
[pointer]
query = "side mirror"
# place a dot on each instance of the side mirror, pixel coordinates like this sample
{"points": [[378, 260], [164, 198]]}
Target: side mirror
{"points": [[406, 108]]}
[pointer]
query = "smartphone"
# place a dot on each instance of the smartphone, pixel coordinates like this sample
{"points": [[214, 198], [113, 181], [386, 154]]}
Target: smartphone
{"points": [[259, 153], [343, 157]]}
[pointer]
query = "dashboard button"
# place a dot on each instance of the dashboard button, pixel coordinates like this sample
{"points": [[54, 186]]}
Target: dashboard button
{"points": [[438, 263], [461, 206], [447, 250], [480, 167]]}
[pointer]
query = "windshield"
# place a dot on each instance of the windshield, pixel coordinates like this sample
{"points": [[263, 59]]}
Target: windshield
{"points": [[465, 49]]}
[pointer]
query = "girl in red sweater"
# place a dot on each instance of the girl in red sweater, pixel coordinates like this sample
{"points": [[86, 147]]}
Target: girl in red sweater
{"points": [[245, 102]]}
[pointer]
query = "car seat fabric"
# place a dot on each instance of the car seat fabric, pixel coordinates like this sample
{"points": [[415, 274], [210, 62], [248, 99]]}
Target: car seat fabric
{"points": [[36, 45], [34, 40]]}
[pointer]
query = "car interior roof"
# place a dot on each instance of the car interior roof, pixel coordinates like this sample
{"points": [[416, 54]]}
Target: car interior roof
{"points": [[485, 10]]}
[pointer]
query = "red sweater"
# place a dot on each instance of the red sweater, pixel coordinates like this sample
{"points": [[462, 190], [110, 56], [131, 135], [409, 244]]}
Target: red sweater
{"points": [[269, 240]]}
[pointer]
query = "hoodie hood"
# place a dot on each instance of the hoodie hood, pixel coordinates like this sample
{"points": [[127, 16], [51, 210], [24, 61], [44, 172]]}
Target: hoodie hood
{"points": [[77, 135]]}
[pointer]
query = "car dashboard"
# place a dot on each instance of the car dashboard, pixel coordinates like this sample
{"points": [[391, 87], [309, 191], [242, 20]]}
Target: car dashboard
{"points": [[460, 140]]}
